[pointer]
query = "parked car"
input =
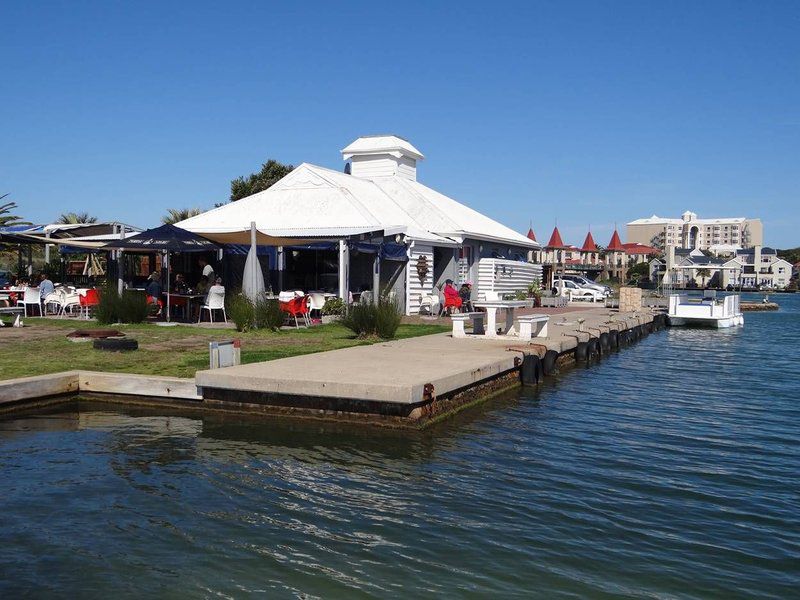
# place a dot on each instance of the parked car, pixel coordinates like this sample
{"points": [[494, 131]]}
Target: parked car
{"points": [[587, 283], [566, 287]]}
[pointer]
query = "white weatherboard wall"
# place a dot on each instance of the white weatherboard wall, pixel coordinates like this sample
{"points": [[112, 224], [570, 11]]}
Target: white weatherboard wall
{"points": [[414, 287], [506, 276]]}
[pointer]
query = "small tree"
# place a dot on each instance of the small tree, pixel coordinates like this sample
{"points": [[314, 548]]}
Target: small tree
{"points": [[271, 171]]}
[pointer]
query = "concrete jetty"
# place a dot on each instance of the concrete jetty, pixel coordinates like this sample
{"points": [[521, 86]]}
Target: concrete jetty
{"points": [[406, 380], [402, 383]]}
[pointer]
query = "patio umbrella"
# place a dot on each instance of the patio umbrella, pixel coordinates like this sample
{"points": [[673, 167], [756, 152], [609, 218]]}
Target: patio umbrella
{"points": [[253, 281], [167, 238]]}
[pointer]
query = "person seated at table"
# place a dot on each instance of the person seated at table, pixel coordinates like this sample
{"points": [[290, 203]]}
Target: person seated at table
{"points": [[153, 291], [180, 286], [202, 286], [465, 293], [451, 297], [217, 288]]}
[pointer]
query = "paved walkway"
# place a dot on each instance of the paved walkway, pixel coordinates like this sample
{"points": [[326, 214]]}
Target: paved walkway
{"points": [[397, 371]]}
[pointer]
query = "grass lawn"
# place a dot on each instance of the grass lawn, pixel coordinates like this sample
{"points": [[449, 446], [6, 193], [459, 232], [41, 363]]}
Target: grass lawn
{"points": [[42, 347]]}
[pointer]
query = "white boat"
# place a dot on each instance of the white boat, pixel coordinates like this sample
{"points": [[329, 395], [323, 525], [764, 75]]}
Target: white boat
{"points": [[708, 311]]}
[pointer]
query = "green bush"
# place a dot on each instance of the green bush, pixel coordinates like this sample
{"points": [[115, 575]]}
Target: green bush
{"points": [[371, 320], [131, 307], [108, 310], [333, 306], [387, 319], [242, 312], [267, 314]]}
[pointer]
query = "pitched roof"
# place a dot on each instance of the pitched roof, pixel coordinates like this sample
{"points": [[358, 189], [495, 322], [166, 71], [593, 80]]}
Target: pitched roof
{"points": [[615, 243], [635, 248], [531, 235], [555, 240], [313, 202], [588, 243]]}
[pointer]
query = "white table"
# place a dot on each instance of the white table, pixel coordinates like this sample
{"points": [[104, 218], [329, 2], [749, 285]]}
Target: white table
{"points": [[491, 314]]}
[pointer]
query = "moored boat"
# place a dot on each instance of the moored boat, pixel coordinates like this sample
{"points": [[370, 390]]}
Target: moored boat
{"points": [[708, 311]]}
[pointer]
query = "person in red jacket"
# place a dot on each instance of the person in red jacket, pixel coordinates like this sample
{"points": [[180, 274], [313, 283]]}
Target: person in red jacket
{"points": [[451, 297]]}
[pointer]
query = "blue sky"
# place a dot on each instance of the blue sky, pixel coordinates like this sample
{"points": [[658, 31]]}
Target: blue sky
{"points": [[586, 113]]}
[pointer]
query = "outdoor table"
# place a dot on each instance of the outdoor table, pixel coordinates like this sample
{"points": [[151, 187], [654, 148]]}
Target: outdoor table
{"points": [[491, 314], [189, 299]]}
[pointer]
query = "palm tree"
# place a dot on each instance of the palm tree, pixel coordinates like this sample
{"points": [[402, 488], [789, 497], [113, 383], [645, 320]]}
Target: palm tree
{"points": [[174, 215], [7, 219], [76, 218]]}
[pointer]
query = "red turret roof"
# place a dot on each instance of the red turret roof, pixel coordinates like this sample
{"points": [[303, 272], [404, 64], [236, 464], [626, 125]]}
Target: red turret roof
{"points": [[555, 239], [531, 235], [615, 244], [588, 243]]}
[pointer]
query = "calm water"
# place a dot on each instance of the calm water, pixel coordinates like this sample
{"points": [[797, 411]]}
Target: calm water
{"points": [[669, 470]]}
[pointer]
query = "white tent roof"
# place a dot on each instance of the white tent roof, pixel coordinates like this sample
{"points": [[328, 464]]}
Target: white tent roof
{"points": [[314, 202]]}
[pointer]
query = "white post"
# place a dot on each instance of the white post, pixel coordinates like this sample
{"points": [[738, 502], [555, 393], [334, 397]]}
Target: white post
{"points": [[279, 267], [47, 250], [344, 271], [376, 278], [120, 265], [254, 250]]}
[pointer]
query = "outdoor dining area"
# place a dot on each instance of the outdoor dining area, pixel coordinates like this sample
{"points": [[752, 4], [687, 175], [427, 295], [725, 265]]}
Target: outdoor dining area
{"points": [[184, 277]]}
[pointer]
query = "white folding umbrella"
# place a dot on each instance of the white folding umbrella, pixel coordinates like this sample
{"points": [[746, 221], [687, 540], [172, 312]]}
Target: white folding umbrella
{"points": [[253, 280]]}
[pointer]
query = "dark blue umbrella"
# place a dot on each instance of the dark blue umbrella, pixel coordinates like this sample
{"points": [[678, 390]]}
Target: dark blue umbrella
{"points": [[168, 238]]}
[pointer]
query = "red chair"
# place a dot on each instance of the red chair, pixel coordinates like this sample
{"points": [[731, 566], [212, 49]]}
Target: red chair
{"points": [[296, 307], [150, 300], [88, 300]]}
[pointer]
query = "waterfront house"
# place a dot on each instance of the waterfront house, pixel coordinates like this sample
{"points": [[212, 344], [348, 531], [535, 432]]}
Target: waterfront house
{"points": [[373, 226], [745, 267]]}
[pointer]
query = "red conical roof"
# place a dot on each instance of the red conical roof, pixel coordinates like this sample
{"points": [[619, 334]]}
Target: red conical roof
{"points": [[531, 235], [588, 243], [555, 239], [615, 243]]}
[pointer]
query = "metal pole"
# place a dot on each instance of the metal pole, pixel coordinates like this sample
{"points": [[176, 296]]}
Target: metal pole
{"points": [[254, 250]]}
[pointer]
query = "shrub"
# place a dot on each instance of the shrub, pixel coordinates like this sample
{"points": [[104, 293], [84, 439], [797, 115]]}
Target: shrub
{"points": [[242, 312], [333, 306], [367, 320], [388, 319], [520, 295], [132, 307], [267, 314], [108, 310]]}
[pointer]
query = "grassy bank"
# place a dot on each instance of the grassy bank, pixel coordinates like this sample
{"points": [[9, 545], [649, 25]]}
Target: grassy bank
{"points": [[42, 347]]}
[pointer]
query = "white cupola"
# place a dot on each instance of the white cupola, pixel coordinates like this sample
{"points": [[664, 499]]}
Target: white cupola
{"points": [[374, 156]]}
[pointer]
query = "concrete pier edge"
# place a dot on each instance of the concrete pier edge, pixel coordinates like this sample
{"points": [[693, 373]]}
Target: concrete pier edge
{"points": [[39, 392]]}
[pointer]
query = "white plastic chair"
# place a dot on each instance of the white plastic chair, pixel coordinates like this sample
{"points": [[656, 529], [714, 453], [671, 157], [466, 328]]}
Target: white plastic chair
{"points": [[316, 301], [286, 296], [69, 301], [214, 301], [55, 300], [431, 303], [30, 297]]}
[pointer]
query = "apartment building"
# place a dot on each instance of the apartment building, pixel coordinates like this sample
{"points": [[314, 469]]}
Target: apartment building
{"points": [[694, 233]]}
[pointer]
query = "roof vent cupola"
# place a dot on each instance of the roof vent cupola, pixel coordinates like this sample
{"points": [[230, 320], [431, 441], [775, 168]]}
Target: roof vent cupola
{"points": [[376, 156]]}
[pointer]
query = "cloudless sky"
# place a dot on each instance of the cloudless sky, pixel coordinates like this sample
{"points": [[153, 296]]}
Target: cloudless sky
{"points": [[586, 113]]}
